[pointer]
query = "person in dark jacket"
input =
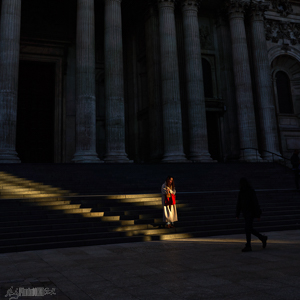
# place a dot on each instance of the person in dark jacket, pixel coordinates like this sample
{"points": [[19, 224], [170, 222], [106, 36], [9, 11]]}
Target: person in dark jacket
{"points": [[248, 204], [295, 161]]}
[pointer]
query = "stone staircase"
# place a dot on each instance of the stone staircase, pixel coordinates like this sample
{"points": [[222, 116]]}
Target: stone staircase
{"points": [[38, 216]]}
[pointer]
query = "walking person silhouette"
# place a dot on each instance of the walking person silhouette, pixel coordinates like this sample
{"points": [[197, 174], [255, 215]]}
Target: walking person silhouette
{"points": [[247, 203], [295, 161]]}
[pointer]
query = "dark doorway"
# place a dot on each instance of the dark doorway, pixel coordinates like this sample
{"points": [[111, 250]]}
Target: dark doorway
{"points": [[213, 135], [285, 101], [207, 79], [35, 118]]}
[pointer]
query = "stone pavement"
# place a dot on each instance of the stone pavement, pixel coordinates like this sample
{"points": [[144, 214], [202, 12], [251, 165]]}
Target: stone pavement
{"points": [[198, 268]]}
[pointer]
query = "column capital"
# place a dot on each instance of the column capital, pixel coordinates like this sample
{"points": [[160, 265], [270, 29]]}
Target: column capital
{"points": [[237, 6], [190, 4], [151, 9], [257, 9], [166, 3], [222, 17], [162, 1]]}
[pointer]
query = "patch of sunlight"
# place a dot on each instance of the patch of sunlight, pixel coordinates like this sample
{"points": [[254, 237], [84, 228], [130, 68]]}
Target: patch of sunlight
{"points": [[12, 187], [55, 199]]}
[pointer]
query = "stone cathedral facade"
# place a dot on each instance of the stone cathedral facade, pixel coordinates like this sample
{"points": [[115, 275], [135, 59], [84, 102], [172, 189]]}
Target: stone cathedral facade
{"points": [[148, 81]]}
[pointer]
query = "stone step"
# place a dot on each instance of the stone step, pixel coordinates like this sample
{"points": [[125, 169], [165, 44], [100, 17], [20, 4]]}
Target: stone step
{"points": [[57, 218], [183, 224], [172, 234], [184, 210], [78, 233]]}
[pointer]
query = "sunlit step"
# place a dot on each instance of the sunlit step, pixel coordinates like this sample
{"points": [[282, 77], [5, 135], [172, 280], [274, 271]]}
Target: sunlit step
{"points": [[93, 214], [48, 203], [63, 207], [41, 188], [22, 192], [76, 210], [147, 232], [171, 236], [101, 216], [16, 188], [14, 196], [137, 200]]}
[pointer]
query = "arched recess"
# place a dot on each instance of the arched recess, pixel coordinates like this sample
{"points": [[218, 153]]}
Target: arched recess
{"points": [[286, 85]]}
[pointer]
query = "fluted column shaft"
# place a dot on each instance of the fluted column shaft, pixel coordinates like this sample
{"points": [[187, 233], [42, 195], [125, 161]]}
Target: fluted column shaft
{"points": [[172, 120], [231, 146], [156, 138], [263, 81], [242, 76], [194, 82], [9, 69], [85, 84], [114, 83]]}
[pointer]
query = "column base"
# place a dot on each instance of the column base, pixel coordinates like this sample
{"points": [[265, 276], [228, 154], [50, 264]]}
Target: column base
{"points": [[9, 157], [175, 158], [201, 157], [86, 157], [250, 155], [117, 158], [270, 158]]}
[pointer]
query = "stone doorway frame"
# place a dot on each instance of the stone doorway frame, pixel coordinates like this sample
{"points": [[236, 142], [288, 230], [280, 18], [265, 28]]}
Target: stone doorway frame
{"points": [[51, 53]]}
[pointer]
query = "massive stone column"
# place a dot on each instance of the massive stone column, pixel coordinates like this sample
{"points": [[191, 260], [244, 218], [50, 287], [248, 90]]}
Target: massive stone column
{"points": [[156, 138], [114, 83], [263, 81], [231, 144], [242, 76], [194, 83], [9, 68], [85, 84], [172, 122]]}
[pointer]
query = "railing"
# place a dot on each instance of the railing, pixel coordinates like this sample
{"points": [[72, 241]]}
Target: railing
{"points": [[282, 158]]}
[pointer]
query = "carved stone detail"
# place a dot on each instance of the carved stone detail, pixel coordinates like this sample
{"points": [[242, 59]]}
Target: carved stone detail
{"points": [[279, 30], [205, 37], [284, 7]]}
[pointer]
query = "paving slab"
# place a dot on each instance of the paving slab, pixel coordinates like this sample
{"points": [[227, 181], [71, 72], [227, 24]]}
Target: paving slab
{"points": [[195, 268]]}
